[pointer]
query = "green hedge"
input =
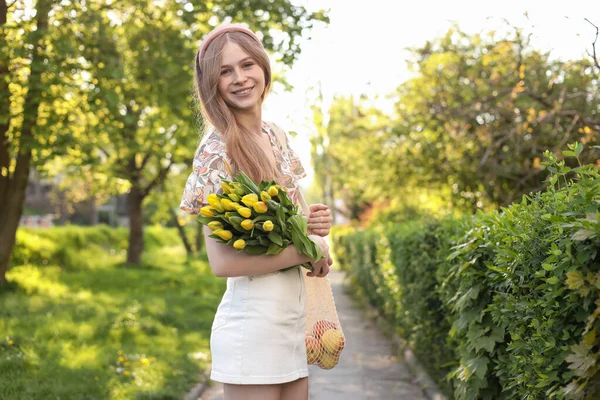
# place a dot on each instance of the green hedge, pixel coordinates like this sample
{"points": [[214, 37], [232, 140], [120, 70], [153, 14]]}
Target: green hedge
{"points": [[79, 247], [506, 305], [396, 269]]}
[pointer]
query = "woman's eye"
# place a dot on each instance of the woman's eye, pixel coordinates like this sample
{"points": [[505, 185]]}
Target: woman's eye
{"points": [[248, 64], [224, 71]]}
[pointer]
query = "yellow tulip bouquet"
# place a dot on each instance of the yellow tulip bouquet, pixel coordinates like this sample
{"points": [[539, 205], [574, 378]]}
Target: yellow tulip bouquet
{"points": [[257, 219]]}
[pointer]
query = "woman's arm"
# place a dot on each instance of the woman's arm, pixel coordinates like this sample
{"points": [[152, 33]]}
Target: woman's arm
{"points": [[225, 261]]}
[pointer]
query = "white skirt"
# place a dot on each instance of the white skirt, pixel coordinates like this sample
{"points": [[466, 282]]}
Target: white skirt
{"points": [[258, 332]]}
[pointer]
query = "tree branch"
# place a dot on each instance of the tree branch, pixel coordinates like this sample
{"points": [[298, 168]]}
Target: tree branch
{"points": [[596, 63], [158, 179], [105, 152], [145, 160]]}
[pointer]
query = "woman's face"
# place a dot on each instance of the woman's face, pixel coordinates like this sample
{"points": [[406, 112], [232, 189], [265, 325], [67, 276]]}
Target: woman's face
{"points": [[241, 80]]}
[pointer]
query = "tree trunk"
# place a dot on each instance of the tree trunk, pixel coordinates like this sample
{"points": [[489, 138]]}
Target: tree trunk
{"points": [[181, 231], [136, 224], [63, 213], [93, 212], [6, 239], [12, 189], [10, 215], [199, 237], [332, 204]]}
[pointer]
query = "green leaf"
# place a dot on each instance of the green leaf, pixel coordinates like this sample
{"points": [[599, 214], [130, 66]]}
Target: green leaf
{"points": [[274, 249], [480, 366], [276, 238], [484, 342], [255, 250], [575, 280], [552, 280], [497, 334], [580, 360], [284, 199], [548, 267], [281, 217], [263, 240], [205, 220], [263, 218], [247, 182]]}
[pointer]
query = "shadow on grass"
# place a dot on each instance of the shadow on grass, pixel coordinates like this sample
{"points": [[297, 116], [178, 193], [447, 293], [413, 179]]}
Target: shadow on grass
{"points": [[8, 287]]}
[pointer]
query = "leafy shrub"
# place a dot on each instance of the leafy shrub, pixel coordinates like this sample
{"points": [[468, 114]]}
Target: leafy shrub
{"points": [[396, 268], [510, 300]]}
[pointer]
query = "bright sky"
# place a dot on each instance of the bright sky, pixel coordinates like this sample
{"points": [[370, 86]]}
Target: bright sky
{"points": [[362, 49]]}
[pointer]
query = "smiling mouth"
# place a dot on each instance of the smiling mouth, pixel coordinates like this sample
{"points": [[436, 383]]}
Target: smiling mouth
{"points": [[243, 91]]}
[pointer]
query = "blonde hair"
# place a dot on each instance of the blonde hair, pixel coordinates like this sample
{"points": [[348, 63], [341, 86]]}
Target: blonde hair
{"points": [[242, 146]]}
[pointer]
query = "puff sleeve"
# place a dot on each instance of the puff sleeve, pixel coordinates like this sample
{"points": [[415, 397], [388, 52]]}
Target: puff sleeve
{"points": [[210, 164]]}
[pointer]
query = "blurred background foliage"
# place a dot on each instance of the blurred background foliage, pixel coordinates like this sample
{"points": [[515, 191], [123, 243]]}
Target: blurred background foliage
{"points": [[98, 96], [470, 125]]}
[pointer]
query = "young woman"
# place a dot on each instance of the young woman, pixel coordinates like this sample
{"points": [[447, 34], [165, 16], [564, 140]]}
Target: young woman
{"points": [[257, 340]]}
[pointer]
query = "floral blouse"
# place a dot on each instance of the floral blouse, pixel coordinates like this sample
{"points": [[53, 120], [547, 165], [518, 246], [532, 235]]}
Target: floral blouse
{"points": [[211, 160]]}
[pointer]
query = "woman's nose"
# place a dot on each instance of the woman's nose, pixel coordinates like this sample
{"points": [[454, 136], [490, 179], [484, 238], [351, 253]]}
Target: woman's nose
{"points": [[238, 76]]}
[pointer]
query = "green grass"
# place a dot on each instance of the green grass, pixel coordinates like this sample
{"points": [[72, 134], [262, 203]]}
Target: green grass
{"points": [[107, 331]]}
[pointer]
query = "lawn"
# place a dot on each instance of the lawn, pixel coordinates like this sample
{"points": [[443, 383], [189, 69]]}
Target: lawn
{"points": [[107, 331]]}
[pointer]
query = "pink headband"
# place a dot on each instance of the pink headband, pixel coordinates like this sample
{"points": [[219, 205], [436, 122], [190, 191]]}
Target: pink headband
{"points": [[220, 30]]}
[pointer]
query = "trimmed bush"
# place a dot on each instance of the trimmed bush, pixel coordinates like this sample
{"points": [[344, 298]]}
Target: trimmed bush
{"points": [[506, 304]]}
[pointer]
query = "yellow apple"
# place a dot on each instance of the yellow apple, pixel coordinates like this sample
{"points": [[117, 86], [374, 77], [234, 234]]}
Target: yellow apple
{"points": [[328, 361], [333, 341]]}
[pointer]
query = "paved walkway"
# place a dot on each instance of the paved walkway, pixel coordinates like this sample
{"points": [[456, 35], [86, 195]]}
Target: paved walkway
{"points": [[368, 367]]}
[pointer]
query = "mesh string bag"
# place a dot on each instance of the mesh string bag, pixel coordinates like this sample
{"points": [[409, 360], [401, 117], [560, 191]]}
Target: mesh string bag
{"points": [[324, 337]]}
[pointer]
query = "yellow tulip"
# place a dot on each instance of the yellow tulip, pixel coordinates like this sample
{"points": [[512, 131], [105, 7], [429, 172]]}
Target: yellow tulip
{"points": [[244, 212], [247, 224], [207, 211], [239, 244], [235, 220], [273, 191], [237, 189], [227, 204], [260, 207], [214, 202], [214, 225], [212, 199], [234, 197], [250, 199], [225, 187], [223, 234], [264, 196], [268, 226]]}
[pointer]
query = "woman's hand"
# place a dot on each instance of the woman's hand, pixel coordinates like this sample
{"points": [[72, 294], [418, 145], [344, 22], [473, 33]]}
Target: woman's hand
{"points": [[319, 220], [320, 267]]}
